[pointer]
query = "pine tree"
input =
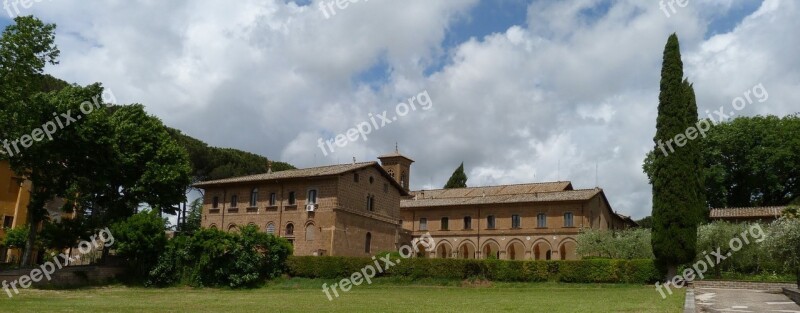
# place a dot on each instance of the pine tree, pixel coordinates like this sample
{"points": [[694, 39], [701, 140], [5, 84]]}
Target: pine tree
{"points": [[458, 179], [678, 196]]}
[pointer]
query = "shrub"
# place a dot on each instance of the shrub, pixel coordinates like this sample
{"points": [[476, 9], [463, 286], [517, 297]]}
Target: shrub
{"points": [[625, 244], [583, 271], [588, 271], [139, 240], [214, 258]]}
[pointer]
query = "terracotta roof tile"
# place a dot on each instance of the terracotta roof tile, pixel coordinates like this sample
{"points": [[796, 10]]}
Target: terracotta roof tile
{"points": [[770, 211], [551, 196], [493, 190], [297, 173]]}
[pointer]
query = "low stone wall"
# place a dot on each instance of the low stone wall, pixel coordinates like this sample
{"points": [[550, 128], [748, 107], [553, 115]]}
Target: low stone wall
{"points": [[793, 293], [71, 276], [770, 287]]}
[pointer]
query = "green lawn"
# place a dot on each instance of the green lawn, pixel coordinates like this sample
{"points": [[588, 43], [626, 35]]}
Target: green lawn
{"points": [[306, 296]]}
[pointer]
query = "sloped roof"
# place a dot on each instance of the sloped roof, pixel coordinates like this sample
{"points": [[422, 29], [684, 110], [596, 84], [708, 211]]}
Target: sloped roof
{"points": [[493, 190], [311, 172], [394, 155], [551, 196], [747, 212]]}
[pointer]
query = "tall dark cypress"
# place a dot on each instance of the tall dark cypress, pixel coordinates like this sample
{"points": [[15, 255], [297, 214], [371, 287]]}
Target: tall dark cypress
{"points": [[458, 179], [677, 180]]}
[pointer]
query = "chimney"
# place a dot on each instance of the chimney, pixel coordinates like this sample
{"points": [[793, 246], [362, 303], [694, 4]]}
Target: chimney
{"points": [[269, 167]]}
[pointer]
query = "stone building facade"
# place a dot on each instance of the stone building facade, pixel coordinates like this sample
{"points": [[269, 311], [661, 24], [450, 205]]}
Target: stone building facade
{"points": [[538, 221], [342, 210], [361, 209]]}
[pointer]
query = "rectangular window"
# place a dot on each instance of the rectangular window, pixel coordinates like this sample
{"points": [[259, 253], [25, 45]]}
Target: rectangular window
{"points": [[445, 223], [568, 219], [273, 199], [234, 201], [291, 198], [8, 221], [541, 220], [254, 198], [467, 222], [371, 203], [312, 196], [423, 224], [355, 177], [215, 203], [490, 222], [515, 221]]}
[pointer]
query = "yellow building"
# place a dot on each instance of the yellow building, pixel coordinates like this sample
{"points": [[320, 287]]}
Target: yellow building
{"points": [[14, 198]]}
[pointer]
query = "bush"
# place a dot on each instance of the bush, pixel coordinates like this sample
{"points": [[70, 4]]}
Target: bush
{"points": [[625, 244], [139, 240], [214, 258], [583, 271]]}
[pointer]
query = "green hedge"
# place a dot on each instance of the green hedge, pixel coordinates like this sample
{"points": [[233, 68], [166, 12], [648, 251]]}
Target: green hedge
{"points": [[580, 271]]}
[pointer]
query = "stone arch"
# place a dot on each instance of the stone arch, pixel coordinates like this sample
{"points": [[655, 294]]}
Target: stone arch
{"points": [[515, 250], [212, 226], [490, 250], [444, 250], [567, 249], [466, 250], [310, 231], [232, 227], [541, 250]]}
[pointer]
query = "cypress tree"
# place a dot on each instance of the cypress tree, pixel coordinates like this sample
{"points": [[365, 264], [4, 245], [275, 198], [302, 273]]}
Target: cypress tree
{"points": [[458, 179], [678, 199]]}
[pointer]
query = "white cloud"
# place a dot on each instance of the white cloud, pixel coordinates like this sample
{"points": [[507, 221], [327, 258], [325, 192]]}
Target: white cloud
{"points": [[271, 77]]}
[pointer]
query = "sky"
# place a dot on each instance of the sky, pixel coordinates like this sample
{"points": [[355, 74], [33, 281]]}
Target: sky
{"points": [[520, 91]]}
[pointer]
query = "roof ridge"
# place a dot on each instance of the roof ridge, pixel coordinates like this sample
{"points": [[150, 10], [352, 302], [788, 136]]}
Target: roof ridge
{"points": [[510, 194], [508, 185]]}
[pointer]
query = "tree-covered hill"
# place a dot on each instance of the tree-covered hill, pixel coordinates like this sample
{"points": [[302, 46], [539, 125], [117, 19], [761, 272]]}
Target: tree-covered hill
{"points": [[208, 163]]}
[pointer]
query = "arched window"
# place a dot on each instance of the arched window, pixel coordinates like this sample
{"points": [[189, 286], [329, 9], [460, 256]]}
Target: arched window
{"points": [[232, 227], [403, 179], [368, 243], [270, 228], [213, 226], [290, 229], [310, 232], [254, 198]]}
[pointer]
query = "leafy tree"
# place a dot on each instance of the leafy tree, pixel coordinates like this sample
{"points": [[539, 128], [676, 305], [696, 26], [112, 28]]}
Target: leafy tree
{"points": [[751, 258], [25, 48], [194, 217], [64, 234], [16, 237], [677, 197], [215, 258], [209, 163], [750, 161], [458, 179], [646, 222], [784, 244], [625, 244], [140, 240]]}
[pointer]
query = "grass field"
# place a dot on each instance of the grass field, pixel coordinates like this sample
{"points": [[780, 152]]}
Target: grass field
{"points": [[305, 295]]}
